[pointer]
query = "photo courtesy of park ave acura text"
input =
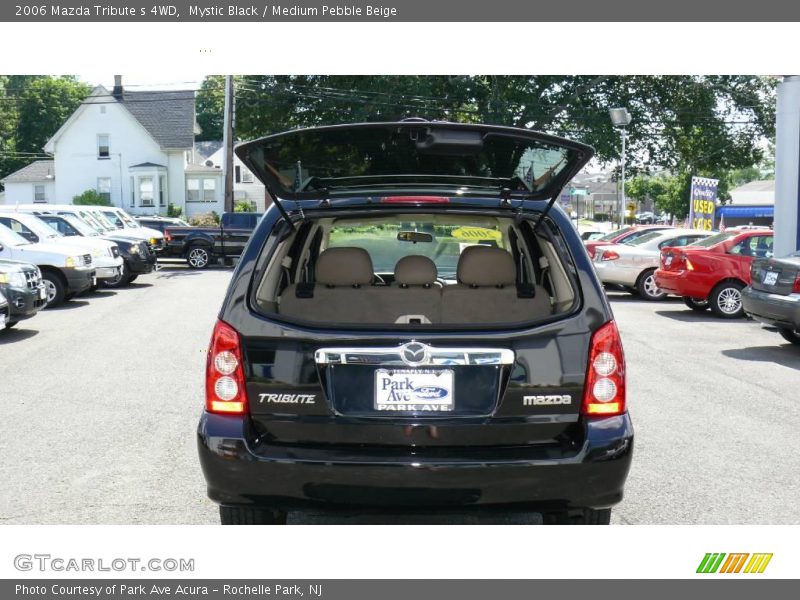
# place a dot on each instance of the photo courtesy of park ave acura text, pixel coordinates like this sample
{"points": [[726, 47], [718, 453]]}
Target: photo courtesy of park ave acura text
{"points": [[399, 299]]}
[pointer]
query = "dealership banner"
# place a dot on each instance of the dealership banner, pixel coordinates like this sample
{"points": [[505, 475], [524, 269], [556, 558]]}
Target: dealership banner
{"points": [[396, 10], [703, 203]]}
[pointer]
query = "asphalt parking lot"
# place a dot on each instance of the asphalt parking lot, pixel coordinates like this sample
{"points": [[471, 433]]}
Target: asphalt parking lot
{"points": [[101, 399]]}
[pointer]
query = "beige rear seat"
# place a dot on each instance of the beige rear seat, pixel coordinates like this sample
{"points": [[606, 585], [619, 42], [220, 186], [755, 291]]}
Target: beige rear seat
{"points": [[342, 291], [487, 292], [414, 297]]}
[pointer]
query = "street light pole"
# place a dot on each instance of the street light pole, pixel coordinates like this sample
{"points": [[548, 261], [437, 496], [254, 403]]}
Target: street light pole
{"points": [[622, 186], [621, 118]]}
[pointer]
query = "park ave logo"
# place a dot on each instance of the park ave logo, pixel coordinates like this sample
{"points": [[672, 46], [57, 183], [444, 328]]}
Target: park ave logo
{"points": [[719, 562]]}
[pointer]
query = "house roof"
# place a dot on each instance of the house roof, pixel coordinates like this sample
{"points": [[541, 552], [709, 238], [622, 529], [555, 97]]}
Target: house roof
{"points": [[200, 169], [40, 170], [206, 149], [764, 185], [168, 116]]}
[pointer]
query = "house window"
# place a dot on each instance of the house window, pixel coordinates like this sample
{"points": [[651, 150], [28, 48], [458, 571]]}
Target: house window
{"points": [[104, 188], [238, 174], [247, 176], [161, 191], [133, 193], [209, 190], [201, 190], [146, 191], [102, 146], [38, 193]]}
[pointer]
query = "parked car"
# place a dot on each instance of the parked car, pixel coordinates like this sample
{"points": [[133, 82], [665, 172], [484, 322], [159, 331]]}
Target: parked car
{"points": [[21, 284], [773, 296], [645, 218], [3, 311], [620, 235], [361, 362], [714, 271], [591, 235], [138, 258], [200, 245], [65, 272], [632, 264], [105, 254], [161, 223], [126, 224]]}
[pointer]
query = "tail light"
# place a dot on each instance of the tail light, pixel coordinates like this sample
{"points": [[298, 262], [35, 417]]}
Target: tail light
{"points": [[604, 394], [225, 392], [796, 286], [609, 255]]}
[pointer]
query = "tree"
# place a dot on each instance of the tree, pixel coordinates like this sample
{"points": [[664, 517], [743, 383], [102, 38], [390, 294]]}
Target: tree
{"points": [[680, 123], [32, 108]]}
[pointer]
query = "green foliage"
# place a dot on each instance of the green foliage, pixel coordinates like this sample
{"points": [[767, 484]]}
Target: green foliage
{"points": [[680, 123], [174, 211], [244, 206], [34, 108], [90, 198]]}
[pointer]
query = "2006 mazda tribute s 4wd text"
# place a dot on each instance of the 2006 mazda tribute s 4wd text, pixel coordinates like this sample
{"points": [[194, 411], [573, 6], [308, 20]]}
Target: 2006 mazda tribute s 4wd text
{"points": [[414, 324]]}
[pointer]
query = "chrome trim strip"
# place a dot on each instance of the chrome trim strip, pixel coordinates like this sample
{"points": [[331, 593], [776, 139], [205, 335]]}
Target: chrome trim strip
{"points": [[429, 356]]}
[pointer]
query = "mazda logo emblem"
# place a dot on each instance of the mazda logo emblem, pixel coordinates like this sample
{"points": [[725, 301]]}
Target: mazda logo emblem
{"points": [[414, 354]]}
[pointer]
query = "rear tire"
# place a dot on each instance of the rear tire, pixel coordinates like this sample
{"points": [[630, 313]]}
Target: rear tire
{"points": [[696, 304], [55, 287], [10, 324], [198, 257], [587, 516], [245, 515], [726, 300], [132, 278], [647, 288], [790, 336]]}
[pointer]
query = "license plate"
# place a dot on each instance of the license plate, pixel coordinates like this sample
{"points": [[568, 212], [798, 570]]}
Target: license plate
{"points": [[42, 293], [414, 390], [770, 277], [668, 260]]}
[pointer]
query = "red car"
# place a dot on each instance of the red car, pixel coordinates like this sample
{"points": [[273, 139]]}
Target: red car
{"points": [[714, 271], [626, 234]]}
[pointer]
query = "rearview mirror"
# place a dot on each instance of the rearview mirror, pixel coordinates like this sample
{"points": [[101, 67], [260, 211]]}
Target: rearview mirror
{"points": [[414, 236]]}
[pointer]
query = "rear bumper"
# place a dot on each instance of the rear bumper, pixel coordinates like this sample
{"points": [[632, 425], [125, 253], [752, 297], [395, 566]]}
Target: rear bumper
{"points": [[608, 272], [772, 309], [237, 473], [681, 283]]}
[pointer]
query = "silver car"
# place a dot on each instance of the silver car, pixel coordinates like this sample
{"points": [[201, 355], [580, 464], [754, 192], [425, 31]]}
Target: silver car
{"points": [[633, 265]]}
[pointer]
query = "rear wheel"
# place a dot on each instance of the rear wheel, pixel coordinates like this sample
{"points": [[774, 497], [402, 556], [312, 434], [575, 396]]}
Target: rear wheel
{"points": [[10, 324], [647, 288], [240, 515], [54, 287], [787, 334], [198, 257], [586, 516], [696, 304], [726, 300], [132, 278]]}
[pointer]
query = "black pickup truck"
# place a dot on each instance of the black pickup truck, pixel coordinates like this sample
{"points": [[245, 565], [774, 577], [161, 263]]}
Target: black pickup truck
{"points": [[200, 245]]}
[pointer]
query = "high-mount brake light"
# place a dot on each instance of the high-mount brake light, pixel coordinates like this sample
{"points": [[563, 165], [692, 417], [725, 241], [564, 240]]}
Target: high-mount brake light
{"points": [[415, 200], [225, 386], [604, 392]]}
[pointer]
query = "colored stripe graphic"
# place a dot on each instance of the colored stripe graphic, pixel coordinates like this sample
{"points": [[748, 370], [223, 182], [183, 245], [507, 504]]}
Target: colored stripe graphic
{"points": [[734, 563], [758, 563], [710, 562]]}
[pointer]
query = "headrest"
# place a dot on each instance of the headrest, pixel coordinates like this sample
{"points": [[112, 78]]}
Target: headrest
{"points": [[415, 270], [344, 266], [486, 265]]}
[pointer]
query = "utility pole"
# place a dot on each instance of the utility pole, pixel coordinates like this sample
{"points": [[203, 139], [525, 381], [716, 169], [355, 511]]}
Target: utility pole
{"points": [[227, 142], [787, 167]]}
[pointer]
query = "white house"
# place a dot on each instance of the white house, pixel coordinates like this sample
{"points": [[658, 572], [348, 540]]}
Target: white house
{"points": [[33, 183], [135, 148], [245, 185]]}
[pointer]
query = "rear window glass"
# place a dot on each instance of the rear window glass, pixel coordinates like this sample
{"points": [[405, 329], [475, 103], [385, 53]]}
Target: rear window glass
{"points": [[642, 238], [716, 239], [447, 241], [616, 233]]}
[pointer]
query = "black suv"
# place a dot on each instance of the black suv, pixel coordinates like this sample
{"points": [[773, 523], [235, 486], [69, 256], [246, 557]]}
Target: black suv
{"points": [[415, 325]]}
